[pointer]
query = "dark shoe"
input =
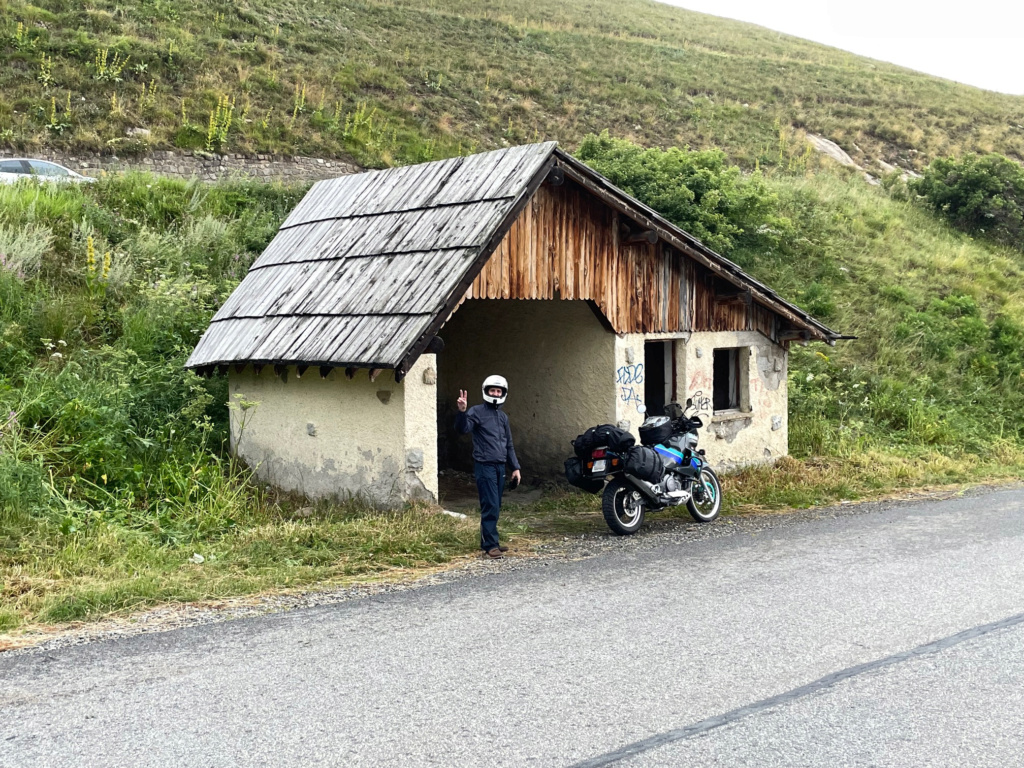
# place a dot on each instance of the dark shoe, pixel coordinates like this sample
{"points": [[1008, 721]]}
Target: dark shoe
{"points": [[494, 553], [503, 548]]}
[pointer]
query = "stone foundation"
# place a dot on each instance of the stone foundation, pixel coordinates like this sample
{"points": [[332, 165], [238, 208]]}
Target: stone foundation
{"points": [[200, 165]]}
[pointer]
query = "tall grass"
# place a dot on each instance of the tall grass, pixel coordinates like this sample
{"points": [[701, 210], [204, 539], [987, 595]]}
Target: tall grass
{"points": [[938, 316], [113, 462]]}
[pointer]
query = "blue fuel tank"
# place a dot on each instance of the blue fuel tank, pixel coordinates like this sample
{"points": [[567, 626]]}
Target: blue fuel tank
{"points": [[669, 455]]}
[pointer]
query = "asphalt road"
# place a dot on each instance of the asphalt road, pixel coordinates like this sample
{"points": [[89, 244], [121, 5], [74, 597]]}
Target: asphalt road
{"points": [[879, 636]]}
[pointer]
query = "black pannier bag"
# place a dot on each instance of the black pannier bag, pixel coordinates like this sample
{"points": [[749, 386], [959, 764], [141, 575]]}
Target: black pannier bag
{"points": [[574, 474], [615, 439], [645, 463], [657, 429]]}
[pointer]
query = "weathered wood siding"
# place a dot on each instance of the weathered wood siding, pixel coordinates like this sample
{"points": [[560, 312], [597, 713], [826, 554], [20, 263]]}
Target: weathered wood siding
{"points": [[567, 244]]}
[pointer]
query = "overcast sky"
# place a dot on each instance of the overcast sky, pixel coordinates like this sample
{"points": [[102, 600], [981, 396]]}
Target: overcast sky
{"points": [[978, 42]]}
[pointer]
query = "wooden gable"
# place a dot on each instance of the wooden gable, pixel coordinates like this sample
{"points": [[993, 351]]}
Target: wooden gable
{"points": [[569, 244]]}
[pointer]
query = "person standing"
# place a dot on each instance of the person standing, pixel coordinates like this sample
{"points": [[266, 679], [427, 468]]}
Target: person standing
{"points": [[492, 450]]}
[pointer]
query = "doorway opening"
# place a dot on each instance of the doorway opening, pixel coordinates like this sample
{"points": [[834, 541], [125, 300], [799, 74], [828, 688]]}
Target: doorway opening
{"points": [[659, 375]]}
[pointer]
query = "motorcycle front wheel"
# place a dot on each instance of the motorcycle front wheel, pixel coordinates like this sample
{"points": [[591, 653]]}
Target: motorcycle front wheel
{"points": [[707, 509], [623, 507]]}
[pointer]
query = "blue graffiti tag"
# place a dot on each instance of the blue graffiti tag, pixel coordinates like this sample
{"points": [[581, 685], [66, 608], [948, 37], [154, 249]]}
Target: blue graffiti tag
{"points": [[630, 374], [630, 395]]}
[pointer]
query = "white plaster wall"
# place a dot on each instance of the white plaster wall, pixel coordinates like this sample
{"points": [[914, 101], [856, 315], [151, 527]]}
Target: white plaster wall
{"points": [[560, 365], [333, 437], [629, 381], [757, 434], [421, 429]]}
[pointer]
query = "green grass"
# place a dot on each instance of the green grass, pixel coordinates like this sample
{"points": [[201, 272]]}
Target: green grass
{"points": [[398, 81], [54, 577]]}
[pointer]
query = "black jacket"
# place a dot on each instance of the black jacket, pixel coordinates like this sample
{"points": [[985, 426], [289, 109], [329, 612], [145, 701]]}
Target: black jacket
{"points": [[492, 437]]}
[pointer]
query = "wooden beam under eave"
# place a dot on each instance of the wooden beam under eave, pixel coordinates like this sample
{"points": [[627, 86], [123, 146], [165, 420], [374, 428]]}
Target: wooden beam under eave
{"points": [[648, 236], [794, 335]]}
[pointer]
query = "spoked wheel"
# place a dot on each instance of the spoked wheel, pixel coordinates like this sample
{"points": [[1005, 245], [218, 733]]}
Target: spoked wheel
{"points": [[705, 506], [623, 507]]}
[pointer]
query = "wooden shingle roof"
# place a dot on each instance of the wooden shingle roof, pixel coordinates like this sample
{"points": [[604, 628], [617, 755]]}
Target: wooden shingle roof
{"points": [[365, 262], [367, 266]]}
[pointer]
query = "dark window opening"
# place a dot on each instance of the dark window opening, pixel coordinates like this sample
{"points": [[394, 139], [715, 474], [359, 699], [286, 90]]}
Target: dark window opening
{"points": [[727, 379]]}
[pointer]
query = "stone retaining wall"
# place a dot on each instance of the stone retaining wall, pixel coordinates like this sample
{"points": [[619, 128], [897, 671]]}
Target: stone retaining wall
{"points": [[202, 165]]}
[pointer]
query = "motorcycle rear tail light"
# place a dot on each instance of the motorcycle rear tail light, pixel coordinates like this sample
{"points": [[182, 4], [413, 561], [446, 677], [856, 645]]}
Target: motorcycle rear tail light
{"points": [[598, 454]]}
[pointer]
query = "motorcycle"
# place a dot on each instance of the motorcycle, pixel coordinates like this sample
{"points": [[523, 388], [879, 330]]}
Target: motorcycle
{"points": [[666, 470]]}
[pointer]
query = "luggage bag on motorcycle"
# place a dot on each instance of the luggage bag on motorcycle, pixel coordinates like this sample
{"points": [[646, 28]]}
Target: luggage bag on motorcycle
{"points": [[574, 474], [608, 435], [645, 463], [656, 429]]}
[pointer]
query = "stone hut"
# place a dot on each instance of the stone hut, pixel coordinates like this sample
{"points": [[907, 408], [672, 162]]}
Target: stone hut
{"points": [[386, 292]]}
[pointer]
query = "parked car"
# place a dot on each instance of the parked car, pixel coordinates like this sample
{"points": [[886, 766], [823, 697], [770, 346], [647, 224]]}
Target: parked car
{"points": [[15, 168]]}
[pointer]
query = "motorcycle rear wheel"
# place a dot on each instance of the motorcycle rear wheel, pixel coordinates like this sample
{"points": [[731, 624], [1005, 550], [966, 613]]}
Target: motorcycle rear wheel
{"points": [[706, 510], [623, 507]]}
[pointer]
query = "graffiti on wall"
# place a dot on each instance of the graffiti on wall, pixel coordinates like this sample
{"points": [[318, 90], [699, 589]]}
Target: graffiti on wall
{"points": [[701, 403], [630, 374], [629, 377]]}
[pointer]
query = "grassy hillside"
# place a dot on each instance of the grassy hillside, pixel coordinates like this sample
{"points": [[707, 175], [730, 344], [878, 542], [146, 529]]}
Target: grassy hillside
{"points": [[395, 81]]}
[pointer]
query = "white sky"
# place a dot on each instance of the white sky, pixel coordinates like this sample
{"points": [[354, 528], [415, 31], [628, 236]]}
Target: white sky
{"points": [[978, 42]]}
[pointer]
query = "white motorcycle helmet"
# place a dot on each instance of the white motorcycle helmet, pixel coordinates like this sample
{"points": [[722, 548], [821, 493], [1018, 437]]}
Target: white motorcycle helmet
{"points": [[495, 381]]}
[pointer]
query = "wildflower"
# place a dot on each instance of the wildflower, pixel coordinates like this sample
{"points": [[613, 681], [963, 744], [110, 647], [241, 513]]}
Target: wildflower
{"points": [[56, 357], [810, 377], [106, 265], [90, 255]]}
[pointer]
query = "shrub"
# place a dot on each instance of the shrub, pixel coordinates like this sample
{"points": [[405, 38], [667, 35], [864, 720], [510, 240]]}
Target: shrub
{"points": [[983, 195], [697, 191]]}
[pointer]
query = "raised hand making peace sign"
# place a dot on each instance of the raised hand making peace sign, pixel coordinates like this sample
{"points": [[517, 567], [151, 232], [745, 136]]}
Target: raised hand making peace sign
{"points": [[463, 401]]}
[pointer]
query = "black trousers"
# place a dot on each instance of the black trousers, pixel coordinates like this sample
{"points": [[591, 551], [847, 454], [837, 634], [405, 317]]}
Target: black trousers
{"points": [[490, 483]]}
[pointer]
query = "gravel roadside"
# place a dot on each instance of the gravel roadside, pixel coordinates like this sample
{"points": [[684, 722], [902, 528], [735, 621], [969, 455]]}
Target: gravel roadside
{"points": [[656, 533]]}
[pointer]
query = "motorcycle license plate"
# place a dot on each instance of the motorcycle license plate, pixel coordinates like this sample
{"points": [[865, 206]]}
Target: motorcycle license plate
{"points": [[600, 466]]}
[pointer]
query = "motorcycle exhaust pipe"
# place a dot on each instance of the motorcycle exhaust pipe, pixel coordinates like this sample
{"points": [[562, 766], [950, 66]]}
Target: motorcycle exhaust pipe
{"points": [[644, 488]]}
